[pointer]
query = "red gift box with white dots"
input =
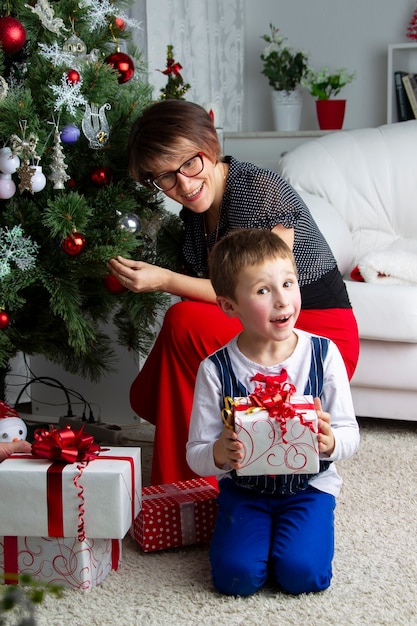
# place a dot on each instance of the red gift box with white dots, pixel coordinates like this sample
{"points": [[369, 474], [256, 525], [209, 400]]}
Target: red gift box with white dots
{"points": [[175, 514]]}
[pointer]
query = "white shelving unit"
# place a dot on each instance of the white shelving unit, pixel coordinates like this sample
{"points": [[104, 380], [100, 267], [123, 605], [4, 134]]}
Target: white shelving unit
{"points": [[401, 57], [265, 148]]}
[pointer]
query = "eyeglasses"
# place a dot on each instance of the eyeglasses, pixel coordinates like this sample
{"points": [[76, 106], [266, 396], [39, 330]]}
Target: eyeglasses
{"points": [[168, 180]]}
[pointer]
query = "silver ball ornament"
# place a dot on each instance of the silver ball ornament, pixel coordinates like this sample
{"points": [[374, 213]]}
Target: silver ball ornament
{"points": [[129, 222]]}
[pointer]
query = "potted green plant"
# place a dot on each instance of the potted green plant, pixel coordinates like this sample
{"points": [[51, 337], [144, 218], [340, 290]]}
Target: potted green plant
{"points": [[284, 69], [324, 85]]}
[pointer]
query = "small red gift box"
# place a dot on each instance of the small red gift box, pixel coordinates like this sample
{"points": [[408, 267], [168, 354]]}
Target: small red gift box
{"points": [[175, 514], [58, 560], [279, 431]]}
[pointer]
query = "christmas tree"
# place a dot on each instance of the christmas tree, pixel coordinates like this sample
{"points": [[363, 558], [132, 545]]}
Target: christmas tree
{"points": [[412, 26], [175, 87], [68, 97]]}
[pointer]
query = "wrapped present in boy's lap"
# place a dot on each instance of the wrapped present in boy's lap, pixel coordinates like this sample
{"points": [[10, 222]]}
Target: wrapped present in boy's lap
{"points": [[278, 430]]}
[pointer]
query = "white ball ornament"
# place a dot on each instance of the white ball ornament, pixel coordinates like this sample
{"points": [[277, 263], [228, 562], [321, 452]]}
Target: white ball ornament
{"points": [[7, 186], [38, 180], [8, 162]]}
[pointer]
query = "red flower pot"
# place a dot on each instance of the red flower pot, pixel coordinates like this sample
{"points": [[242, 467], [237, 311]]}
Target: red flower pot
{"points": [[330, 114]]}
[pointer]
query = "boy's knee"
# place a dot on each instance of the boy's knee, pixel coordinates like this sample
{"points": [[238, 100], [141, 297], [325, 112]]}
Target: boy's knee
{"points": [[237, 579], [302, 577]]}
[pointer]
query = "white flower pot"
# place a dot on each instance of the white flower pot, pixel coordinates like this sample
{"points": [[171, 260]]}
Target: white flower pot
{"points": [[286, 109]]}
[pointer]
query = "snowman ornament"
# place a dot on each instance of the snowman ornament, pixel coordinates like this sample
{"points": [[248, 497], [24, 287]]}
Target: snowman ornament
{"points": [[12, 427]]}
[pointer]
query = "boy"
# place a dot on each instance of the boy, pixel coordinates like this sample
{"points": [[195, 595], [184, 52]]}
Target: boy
{"points": [[281, 526]]}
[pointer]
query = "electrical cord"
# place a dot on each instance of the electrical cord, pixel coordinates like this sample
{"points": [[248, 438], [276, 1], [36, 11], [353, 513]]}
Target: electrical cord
{"points": [[58, 385]]}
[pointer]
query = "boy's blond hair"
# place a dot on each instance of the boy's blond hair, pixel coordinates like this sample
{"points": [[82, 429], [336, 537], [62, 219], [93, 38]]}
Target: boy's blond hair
{"points": [[242, 248]]}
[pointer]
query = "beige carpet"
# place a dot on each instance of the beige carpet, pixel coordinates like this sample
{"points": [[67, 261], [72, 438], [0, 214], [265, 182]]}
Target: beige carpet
{"points": [[375, 565]]}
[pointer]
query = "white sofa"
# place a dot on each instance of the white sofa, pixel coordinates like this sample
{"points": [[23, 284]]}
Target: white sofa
{"points": [[361, 187]]}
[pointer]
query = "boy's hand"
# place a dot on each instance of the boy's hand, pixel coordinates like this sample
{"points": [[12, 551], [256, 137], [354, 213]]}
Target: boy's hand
{"points": [[326, 437], [228, 449]]}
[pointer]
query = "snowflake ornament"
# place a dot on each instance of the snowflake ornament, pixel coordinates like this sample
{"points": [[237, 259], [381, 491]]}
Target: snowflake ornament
{"points": [[14, 247], [98, 13], [55, 55], [68, 95]]}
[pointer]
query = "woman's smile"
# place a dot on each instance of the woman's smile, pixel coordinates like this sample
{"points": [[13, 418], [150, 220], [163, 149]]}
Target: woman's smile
{"points": [[194, 195]]}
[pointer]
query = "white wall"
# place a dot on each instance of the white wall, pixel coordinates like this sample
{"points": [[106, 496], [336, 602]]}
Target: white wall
{"points": [[338, 33], [109, 397]]}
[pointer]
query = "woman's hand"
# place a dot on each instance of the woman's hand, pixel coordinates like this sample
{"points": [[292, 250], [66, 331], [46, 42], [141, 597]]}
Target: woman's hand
{"points": [[139, 276]]}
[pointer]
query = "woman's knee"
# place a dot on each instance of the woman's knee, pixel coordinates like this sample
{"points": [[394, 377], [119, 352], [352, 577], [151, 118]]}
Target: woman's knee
{"points": [[183, 323]]}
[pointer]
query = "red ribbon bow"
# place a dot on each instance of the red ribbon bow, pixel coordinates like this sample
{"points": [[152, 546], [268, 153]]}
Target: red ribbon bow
{"points": [[64, 445], [274, 397], [173, 68]]}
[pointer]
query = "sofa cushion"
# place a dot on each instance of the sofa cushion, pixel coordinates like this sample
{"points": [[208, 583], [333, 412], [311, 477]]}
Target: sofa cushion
{"points": [[384, 312]]}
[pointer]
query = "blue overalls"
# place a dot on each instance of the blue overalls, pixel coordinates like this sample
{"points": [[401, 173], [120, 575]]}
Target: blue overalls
{"points": [[275, 525]]}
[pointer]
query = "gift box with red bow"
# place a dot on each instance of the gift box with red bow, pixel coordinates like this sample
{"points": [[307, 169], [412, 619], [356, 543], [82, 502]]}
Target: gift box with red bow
{"points": [[176, 514], [67, 562], [278, 430], [98, 495]]}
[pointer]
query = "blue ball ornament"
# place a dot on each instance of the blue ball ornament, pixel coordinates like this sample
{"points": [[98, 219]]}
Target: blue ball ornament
{"points": [[70, 134]]}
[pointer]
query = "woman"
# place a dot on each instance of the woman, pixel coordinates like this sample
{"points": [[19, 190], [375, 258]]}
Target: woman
{"points": [[174, 147]]}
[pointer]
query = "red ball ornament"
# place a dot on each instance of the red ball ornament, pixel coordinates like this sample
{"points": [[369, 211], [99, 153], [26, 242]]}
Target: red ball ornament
{"points": [[12, 34], [73, 244], [101, 176], [120, 23], [4, 319], [123, 64], [73, 77], [113, 284]]}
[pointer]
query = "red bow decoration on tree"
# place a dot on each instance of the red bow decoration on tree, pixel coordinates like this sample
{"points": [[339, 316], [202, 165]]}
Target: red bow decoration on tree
{"points": [[64, 445], [173, 68]]}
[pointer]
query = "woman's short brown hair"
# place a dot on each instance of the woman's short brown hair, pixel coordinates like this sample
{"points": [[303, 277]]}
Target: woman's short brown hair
{"points": [[156, 133]]}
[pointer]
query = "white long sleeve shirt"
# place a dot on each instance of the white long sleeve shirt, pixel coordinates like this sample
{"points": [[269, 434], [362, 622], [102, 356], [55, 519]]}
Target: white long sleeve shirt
{"points": [[206, 423]]}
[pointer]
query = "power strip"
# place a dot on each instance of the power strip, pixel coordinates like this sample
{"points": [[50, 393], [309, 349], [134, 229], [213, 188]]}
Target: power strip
{"points": [[108, 434]]}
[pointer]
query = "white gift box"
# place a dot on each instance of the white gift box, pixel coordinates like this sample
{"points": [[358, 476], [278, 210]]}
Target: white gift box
{"points": [[277, 445], [41, 498], [59, 561]]}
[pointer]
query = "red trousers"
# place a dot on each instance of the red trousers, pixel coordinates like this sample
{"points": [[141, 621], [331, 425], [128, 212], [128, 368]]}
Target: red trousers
{"points": [[162, 393]]}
